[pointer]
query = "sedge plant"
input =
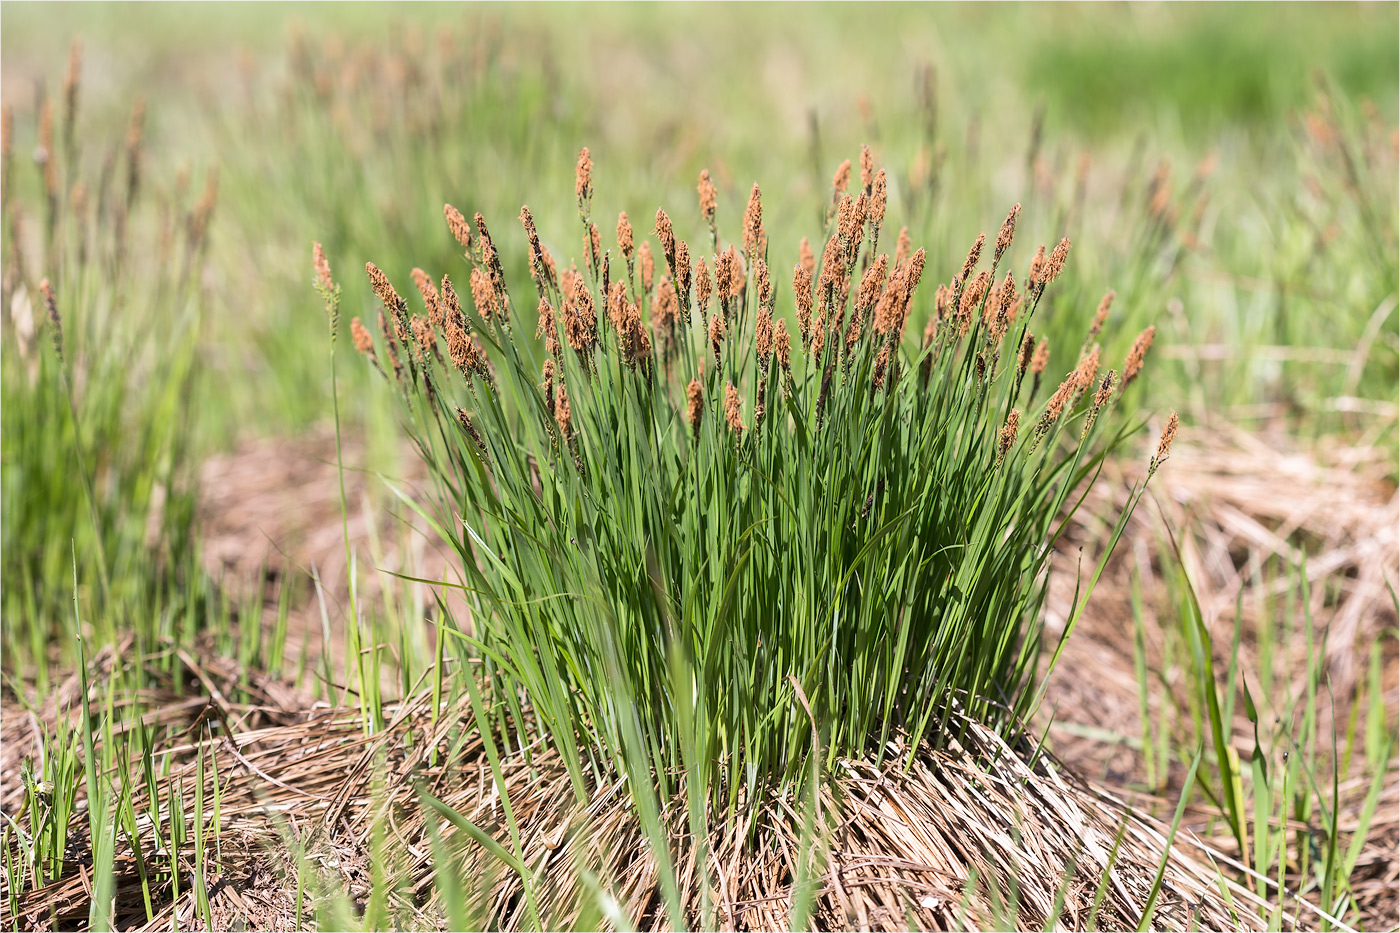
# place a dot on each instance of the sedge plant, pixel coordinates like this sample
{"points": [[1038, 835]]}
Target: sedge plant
{"points": [[842, 512]]}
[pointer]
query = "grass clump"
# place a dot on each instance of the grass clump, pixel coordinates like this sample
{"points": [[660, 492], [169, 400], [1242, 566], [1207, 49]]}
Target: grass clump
{"points": [[102, 308], [677, 534]]}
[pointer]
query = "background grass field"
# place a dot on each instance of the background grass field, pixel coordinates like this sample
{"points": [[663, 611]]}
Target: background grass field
{"points": [[1230, 170]]}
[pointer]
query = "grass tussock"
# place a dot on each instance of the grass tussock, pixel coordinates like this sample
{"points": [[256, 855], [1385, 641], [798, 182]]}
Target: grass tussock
{"points": [[685, 540]]}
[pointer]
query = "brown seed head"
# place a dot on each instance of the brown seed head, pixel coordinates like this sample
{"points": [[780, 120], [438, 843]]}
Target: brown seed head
{"points": [[380, 283], [1008, 230], [1056, 406], [804, 255], [878, 197], [973, 255], [547, 385], [942, 302], [732, 412], [763, 285], [694, 406], [431, 299], [1087, 371], [1105, 391], [971, 298], [703, 285], [583, 182], [617, 308], [1101, 315], [754, 237], [665, 309], [545, 328], [783, 342], [1057, 261], [1041, 358], [901, 249], [873, 282], [360, 335], [451, 307], [802, 291], [1035, 279], [484, 294], [1137, 355], [737, 281], [624, 236], [1164, 445], [867, 168], [648, 266], [683, 274], [665, 235], [763, 337], [1007, 438], [716, 334], [562, 412], [595, 247], [424, 338], [458, 225], [708, 200], [323, 268], [842, 179], [55, 322], [1024, 354]]}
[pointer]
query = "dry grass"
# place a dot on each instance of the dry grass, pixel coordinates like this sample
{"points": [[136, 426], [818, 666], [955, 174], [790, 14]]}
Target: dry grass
{"points": [[902, 845]]}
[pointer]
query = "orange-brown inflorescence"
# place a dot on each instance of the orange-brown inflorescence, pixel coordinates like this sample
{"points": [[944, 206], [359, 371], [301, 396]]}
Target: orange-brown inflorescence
{"points": [[537, 264], [424, 339], [667, 237], [665, 311], [624, 236], [901, 247], [1087, 371], [971, 297], [1164, 444], [1008, 230], [360, 335], [878, 196], [1133, 365], [593, 245], [732, 411], [583, 182], [471, 430], [703, 287], [451, 307], [755, 240], [1105, 391], [490, 258], [716, 335], [805, 257], [736, 273], [1042, 356], [694, 406], [708, 199], [458, 225], [1035, 279], [391, 346], [683, 273], [648, 265], [55, 322], [783, 344], [1101, 315], [1056, 406], [842, 179], [802, 290], [547, 385], [385, 291], [1056, 265], [1007, 437], [1024, 354], [973, 256], [323, 268], [431, 299], [867, 169], [545, 328], [483, 294], [563, 413]]}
